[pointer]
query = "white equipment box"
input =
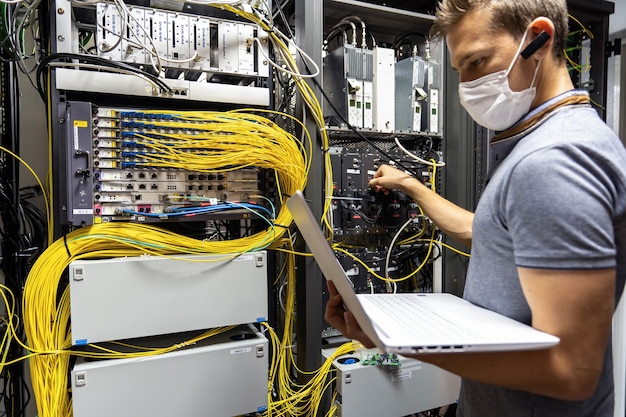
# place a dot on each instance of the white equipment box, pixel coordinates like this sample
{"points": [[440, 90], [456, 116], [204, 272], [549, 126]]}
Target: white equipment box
{"points": [[225, 375], [410, 388], [384, 83], [123, 298], [410, 94]]}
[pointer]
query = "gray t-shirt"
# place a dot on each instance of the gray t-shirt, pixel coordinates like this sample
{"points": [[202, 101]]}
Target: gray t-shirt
{"points": [[555, 198]]}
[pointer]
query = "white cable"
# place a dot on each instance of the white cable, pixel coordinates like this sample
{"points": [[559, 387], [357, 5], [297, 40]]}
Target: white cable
{"points": [[85, 2], [281, 302], [125, 13], [266, 3], [106, 69], [195, 57], [364, 36], [391, 245], [28, 17], [304, 55], [286, 71], [417, 158], [151, 50]]}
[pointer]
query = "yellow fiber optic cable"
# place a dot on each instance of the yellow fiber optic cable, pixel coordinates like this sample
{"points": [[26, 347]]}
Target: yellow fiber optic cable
{"points": [[286, 397], [47, 321], [308, 96]]}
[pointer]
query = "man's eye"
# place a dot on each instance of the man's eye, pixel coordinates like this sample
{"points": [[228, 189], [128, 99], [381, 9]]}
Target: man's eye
{"points": [[477, 62]]}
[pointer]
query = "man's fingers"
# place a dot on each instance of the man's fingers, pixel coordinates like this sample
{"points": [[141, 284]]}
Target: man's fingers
{"points": [[351, 325], [354, 331], [332, 290]]}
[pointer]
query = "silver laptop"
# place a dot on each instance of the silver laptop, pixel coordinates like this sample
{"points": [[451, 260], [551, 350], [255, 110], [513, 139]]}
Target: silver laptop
{"points": [[416, 322]]}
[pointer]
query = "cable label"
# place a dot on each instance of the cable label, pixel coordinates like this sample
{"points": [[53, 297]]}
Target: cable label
{"points": [[78, 124], [240, 350]]}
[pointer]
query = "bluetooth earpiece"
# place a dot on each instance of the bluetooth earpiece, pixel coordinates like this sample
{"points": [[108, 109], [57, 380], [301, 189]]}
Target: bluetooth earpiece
{"points": [[536, 43]]}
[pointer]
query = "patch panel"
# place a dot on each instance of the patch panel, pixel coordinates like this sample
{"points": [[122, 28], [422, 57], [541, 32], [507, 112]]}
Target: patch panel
{"points": [[125, 172]]}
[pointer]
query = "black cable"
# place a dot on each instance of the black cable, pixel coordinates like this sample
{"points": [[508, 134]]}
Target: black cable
{"points": [[9, 52], [354, 129], [68, 57], [36, 231], [398, 41], [355, 210], [359, 134], [14, 267], [23, 233], [67, 248], [335, 34]]}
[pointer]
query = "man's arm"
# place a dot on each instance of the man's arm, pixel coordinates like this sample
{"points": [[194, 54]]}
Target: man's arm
{"points": [[453, 220], [577, 306]]}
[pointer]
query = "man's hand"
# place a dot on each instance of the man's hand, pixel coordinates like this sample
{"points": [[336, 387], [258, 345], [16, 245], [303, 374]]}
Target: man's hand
{"points": [[341, 319], [387, 178], [453, 220]]}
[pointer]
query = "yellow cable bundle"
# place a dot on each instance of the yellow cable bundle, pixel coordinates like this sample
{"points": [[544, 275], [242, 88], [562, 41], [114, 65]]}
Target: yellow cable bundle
{"points": [[307, 94], [285, 397], [221, 141], [235, 139], [47, 322], [227, 141]]}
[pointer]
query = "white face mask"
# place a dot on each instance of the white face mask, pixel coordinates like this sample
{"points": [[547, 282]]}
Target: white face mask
{"points": [[490, 100]]}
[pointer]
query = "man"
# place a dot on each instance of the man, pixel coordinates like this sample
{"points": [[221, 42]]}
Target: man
{"points": [[548, 237]]}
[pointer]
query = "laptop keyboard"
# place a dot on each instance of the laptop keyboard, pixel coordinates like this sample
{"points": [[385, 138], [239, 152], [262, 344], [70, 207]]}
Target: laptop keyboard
{"points": [[415, 317]]}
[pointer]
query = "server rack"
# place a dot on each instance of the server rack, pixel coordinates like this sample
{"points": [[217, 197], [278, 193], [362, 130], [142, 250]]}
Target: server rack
{"points": [[377, 16]]}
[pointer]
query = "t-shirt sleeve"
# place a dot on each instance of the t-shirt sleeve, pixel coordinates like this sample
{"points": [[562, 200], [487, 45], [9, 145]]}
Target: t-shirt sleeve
{"points": [[558, 209]]}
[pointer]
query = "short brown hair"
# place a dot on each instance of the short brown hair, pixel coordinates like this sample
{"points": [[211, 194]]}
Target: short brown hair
{"points": [[513, 16]]}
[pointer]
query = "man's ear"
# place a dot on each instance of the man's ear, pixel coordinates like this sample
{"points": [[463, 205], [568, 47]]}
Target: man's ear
{"points": [[541, 32], [535, 44]]}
